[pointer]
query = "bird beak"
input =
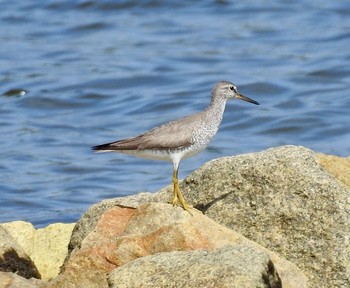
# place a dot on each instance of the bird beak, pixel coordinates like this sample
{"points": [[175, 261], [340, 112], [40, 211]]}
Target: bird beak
{"points": [[244, 98]]}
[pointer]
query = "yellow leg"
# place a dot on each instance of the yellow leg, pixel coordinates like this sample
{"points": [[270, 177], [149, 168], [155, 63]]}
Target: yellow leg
{"points": [[175, 184], [178, 195]]}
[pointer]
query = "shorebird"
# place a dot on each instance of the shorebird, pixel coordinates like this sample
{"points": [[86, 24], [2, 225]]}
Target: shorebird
{"points": [[181, 138]]}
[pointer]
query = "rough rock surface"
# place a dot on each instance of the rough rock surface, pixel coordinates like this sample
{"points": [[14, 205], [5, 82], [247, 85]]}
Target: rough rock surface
{"points": [[123, 234], [337, 166], [90, 218], [14, 259], [47, 247], [285, 200], [232, 266], [12, 280]]}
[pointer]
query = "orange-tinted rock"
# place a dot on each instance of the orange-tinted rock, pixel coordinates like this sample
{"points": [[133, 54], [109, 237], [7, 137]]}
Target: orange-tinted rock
{"points": [[124, 234]]}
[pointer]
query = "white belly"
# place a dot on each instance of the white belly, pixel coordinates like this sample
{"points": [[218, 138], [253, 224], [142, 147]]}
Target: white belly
{"points": [[165, 155]]}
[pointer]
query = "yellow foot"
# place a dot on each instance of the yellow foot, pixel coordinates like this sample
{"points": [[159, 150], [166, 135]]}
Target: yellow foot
{"points": [[174, 201], [184, 205], [187, 207], [178, 197]]}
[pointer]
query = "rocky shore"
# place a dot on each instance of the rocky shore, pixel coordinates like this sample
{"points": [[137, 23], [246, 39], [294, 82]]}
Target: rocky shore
{"points": [[277, 218]]}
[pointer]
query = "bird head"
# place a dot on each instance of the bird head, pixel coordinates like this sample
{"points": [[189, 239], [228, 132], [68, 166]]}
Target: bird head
{"points": [[227, 90]]}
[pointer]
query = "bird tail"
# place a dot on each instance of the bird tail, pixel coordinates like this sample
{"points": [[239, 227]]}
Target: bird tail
{"points": [[103, 148]]}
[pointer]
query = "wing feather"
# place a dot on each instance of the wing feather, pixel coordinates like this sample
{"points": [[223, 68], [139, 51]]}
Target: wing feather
{"points": [[175, 134]]}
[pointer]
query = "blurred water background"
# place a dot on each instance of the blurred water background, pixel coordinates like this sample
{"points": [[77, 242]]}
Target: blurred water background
{"points": [[74, 74]]}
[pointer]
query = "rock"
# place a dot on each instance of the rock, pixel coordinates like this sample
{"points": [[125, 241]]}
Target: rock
{"points": [[284, 199], [89, 220], [123, 234], [12, 280], [14, 259], [47, 247], [232, 266], [51, 248], [87, 265], [23, 233], [338, 167]]}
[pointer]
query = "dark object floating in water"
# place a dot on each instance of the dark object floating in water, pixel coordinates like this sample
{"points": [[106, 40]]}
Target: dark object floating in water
{"points": [[15, 92]]}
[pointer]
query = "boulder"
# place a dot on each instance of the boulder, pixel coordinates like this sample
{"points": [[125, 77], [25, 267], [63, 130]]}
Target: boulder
{"points": [[47, 247], [14, 259], [241, 266], [123, 234], [288, 199]]}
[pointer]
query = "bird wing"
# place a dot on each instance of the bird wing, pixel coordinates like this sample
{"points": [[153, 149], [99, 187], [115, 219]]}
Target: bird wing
{"points": [[175, 134], [171, 135]]}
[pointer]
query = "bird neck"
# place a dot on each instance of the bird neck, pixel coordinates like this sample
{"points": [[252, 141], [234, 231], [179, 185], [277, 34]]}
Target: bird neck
{"points": [[216, 109]]}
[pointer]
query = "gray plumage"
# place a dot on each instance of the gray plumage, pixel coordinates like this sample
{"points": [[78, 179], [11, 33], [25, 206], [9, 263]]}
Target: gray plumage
{"points": [[192, 133]]}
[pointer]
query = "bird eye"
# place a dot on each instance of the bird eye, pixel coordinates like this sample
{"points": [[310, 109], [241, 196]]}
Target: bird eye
{"points": [[233, 88]]}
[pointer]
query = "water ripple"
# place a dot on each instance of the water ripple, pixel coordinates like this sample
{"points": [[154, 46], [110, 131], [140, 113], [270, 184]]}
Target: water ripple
{"points": [[97, 71]]}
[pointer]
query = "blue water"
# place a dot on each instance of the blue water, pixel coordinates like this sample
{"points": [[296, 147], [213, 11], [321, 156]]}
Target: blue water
{"points": [[74, 74]]}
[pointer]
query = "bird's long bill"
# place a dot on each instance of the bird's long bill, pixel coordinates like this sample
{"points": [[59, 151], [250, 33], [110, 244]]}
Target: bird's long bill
{"points": [[245, 98]]}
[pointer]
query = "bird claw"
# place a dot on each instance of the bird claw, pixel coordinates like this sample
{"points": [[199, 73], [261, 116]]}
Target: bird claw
{"points": [[183, 203]]}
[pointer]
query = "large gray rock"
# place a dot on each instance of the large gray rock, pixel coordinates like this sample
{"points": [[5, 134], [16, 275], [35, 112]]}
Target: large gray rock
{"points": [[232, 266], [285, 200]]}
